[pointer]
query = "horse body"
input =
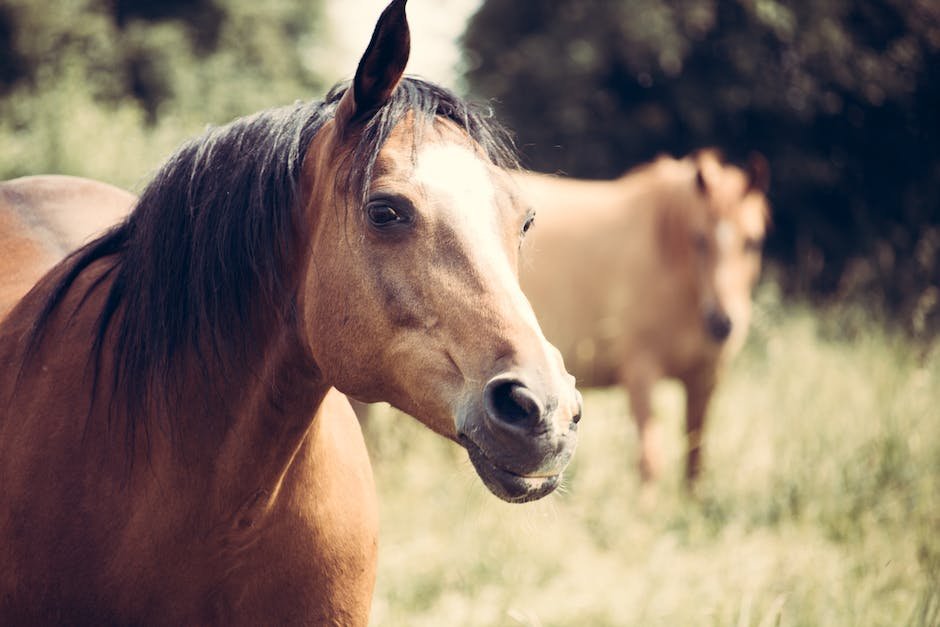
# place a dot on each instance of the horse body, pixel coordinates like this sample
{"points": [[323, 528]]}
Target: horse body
{"points": [[172, 447], [43, 218], [648, 276]]}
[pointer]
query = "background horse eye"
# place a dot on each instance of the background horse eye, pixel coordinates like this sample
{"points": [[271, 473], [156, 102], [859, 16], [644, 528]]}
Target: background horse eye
{"points": [[382, 215], [701, 243], [753, 244]]}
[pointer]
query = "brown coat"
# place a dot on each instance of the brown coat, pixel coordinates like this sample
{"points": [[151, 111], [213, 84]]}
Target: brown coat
{"points": [[43, 218]]}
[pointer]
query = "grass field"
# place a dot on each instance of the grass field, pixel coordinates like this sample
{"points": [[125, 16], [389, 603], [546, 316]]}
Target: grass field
{"points": [[820, 504]]}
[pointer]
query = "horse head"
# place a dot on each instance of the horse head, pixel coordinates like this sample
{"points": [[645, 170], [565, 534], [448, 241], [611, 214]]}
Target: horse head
{"points": [[716, 232], [410, 293]]}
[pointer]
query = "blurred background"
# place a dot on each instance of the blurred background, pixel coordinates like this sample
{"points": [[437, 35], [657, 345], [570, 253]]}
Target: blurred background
{"points": [[821, 500], [841, 96]]}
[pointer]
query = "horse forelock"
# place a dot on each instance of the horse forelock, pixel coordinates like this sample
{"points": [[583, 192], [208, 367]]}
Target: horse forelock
{"points": [[205, 261], [424, 103]]}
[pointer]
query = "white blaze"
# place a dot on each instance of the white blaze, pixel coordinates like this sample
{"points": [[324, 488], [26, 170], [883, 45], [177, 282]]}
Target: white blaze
{"points": [[457, 182], [455, 173], [725, 235]]}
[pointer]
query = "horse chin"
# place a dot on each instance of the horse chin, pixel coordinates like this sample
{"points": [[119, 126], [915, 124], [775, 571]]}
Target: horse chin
{"points": [[504, 483]]}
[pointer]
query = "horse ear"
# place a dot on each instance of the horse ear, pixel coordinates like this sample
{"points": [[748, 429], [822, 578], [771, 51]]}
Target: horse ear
{"points": [[380, 68], [758, 172], [699, 157]]}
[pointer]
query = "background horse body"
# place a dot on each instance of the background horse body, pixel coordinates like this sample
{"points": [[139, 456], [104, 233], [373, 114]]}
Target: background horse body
{"points": [[43, 218], [648, 276], [171, 447]]}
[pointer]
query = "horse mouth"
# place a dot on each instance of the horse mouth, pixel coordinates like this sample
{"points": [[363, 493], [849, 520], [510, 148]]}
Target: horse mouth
{"points": [[510, 486]]}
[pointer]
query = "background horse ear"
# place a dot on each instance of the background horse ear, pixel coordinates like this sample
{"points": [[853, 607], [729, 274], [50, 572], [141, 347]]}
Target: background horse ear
{"points": [[380, 68], [700, 181], [707, 162], [758, 172]]}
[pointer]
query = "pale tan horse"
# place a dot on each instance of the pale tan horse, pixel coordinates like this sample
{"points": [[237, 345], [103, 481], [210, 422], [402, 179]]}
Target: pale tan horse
{"points": [[43, 218], [649, 276], [171, 451]]}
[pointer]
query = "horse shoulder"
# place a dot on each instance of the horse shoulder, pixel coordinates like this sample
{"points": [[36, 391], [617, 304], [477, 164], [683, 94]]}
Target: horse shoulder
{"points": [[330, 483], [320, 546]]}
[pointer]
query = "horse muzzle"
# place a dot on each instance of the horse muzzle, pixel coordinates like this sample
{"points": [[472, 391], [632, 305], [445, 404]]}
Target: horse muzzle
{"points": [[519, 437]]}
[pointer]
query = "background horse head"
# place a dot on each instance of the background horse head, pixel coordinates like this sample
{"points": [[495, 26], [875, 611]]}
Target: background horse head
{"points": [[712, 233], [368, 242]]}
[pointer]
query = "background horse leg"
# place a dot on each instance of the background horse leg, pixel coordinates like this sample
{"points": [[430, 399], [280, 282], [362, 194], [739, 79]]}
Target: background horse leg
{"points": [[698, 392], [639, 379]]}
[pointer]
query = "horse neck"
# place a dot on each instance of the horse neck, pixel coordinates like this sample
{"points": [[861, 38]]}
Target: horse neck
{"points": [[226, 429], [258, 418]]}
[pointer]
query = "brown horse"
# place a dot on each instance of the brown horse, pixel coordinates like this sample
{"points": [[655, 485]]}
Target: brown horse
{"points": [[43, 218], [171, 451], [649, 276]]}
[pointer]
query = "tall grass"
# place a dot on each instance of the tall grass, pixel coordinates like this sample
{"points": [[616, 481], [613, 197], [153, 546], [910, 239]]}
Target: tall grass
{"points": [[820, 504]]}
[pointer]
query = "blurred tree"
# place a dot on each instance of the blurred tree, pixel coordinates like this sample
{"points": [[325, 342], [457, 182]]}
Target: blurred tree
{"points": [[842, 96], [106, 88], [11, 62], [159, 52]]}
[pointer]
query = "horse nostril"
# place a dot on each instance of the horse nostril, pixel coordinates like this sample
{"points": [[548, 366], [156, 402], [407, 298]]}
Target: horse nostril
{"points": [[511, 402], [719, 325]]}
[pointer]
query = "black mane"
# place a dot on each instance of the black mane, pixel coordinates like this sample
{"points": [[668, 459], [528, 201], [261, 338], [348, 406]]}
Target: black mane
{"points": [[205, 256]]}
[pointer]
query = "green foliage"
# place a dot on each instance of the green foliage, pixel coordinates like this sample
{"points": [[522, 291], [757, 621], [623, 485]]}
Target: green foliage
{"points": [[107, 89], [842, 96], [820, 503]]}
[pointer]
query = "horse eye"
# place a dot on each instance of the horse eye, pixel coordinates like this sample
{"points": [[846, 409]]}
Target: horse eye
{"points": [[529, 221], [382, 215]]}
